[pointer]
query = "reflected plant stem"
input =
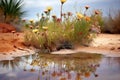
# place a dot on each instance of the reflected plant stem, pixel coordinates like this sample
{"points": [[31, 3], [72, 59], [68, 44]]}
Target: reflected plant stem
{"points": [[39, 74]]}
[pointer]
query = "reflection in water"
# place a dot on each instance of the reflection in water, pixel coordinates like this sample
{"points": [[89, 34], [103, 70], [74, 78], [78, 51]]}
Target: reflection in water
{"points": [[53, 67], [10, 64], [64, 68]]}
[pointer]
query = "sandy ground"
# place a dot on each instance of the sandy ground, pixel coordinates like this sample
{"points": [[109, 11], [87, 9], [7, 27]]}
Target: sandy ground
{"points": [[106, 44], [11, 45]]}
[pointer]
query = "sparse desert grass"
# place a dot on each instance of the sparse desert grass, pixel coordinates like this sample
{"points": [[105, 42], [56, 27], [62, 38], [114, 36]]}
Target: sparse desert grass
{"points": [[112, 24]]}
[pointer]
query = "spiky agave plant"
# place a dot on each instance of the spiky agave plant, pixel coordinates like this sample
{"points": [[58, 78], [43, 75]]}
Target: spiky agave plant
{"points": [[11, 9]]}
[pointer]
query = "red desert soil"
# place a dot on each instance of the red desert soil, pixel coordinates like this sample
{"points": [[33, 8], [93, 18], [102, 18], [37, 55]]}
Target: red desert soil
{"points": [[5, 28], [11, 41], [11, 45]]}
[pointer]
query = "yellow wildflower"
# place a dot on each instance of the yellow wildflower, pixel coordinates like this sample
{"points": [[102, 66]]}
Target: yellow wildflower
{"points": [[35, 30], [45, 65], [49, 8], [79, 16], [63, 1], [31, 21], [45, 28]]}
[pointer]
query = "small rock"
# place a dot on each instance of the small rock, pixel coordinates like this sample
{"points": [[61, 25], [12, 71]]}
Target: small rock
{"points": [[64, 45], [118, 48], [112, 48], [4, 53], [11, 53]]}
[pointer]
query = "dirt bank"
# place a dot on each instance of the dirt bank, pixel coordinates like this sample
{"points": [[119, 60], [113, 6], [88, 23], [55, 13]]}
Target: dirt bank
{"points": [[11, 45]]}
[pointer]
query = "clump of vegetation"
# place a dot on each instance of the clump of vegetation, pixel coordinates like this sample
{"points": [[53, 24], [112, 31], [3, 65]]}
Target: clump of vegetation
{"points": [[112, 24], [51, 33], [11, 10]]}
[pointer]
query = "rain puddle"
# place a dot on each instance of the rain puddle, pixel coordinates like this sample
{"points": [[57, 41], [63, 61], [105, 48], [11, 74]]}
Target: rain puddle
{"points": [[78, 66]]}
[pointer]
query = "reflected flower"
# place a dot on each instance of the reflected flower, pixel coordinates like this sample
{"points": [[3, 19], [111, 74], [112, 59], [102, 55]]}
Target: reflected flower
{"points": [[54, 74], [87, 74], [96, 75], [63, 78], [78, 77], [45, 65], [34, 63], [59, 74], [46, 70], [24, 70], [69, 76], [32, 70], [43, 73]]}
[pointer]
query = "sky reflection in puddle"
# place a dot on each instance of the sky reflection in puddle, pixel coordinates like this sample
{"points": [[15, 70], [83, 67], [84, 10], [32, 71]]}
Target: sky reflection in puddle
{"points": [[61, 67]]}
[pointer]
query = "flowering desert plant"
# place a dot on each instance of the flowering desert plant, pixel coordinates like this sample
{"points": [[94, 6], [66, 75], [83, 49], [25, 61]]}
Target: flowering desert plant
{"points": [[48, 33], [62, 2], [81, 28]]}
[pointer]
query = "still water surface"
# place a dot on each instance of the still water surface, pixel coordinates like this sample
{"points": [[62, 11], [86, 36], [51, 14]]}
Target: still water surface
{"points": [[61, 67]]}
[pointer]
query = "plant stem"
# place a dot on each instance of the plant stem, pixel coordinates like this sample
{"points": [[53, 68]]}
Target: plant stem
{"points": [[61, 11]]}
